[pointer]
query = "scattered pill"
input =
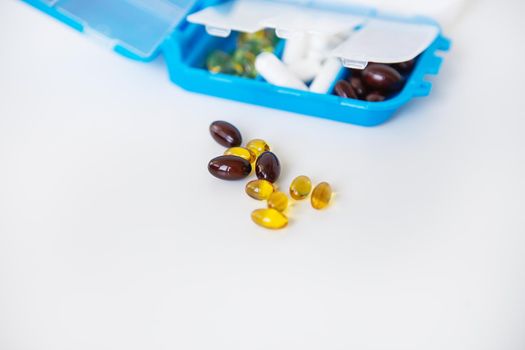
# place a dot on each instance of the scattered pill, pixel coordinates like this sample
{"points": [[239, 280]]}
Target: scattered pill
{"points": [[241, 152], [229, 167], [258, 146], [345, 89], [295, 48], [326, 76], [269, 218], [237, 163], [225, 134], [275, 72], [301, 187], [259, 189], [268, 167], [375, 97], [278, 201], [382, 77], [321, 196]]}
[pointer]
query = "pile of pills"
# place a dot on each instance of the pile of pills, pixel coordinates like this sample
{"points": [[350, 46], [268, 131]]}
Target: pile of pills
{"points": [[238, 163], [376, 82], [242, 61], [306, 65]]}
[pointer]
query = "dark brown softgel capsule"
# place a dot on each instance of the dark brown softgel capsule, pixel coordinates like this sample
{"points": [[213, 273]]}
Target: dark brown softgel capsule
{"points": [[358, 86], [375, 97], [225, 134], [405, 67], [229, 167], [381, 77], [268, 167], [344, 89]]}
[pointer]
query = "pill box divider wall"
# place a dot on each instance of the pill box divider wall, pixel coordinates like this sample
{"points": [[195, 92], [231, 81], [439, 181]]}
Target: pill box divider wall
{"points": [[187, 45]]}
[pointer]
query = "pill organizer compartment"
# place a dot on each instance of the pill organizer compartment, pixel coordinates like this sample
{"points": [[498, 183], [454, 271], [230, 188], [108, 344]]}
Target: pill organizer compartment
{"points": [[141, 29], [391, 40]]}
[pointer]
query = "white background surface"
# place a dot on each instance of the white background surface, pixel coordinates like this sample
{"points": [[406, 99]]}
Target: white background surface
{"points": [[114, 236]]}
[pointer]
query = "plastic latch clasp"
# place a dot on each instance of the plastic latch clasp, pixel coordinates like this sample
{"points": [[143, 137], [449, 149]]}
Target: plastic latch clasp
{"points": [[354, 64]]}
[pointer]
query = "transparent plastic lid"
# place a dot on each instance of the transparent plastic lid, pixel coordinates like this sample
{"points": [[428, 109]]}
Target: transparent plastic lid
{"points": [[138, 26]]}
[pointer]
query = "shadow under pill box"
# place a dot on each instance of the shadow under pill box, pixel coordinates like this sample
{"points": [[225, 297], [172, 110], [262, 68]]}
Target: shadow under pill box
{"points": [[347, 63]]}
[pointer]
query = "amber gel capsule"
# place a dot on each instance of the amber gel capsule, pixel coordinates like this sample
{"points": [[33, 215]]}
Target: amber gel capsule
{"points": [[258, 147], [269, 218], [241, 152], [259, 189], [268, 167], [301, 187], [321, 195], [225, 134], [278, 201], [229, 167]]}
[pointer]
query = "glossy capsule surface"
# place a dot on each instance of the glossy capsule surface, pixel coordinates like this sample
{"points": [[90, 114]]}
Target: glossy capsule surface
{"points": [[222, 62], [301, 187], [321, 195], [382, 78], [358, 86], [345, 89], [229, 167], [258, 146], [278, 201], [268, 167], [405, 67], [375, 97], [269, 218], [225, 134], [259, 189], [242, 152]]}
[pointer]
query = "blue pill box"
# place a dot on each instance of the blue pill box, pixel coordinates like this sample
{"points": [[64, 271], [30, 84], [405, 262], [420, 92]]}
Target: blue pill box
{"points": [[186, 31]]}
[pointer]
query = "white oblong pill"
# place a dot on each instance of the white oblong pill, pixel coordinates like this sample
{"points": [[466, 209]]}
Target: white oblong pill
{"points": [[295, 48], [326, 76], [275, 72], [306, 70]]}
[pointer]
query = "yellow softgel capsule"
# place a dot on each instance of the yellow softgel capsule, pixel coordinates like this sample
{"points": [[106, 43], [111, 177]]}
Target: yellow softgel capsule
{"points": [[301, 187], [259, 189], [269, 218], [321, 195], [242, 152], [258, 146], [278, 201]]}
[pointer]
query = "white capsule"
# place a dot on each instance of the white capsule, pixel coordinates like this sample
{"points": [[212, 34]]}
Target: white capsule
{"points": [[316, 55], [326, 76], [324, 43], [295, 48], [306, 69], [275, 72]]}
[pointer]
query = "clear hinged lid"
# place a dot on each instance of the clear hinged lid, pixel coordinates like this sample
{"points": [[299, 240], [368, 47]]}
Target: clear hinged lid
{"points": [[370, 38], [137, 26]]}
